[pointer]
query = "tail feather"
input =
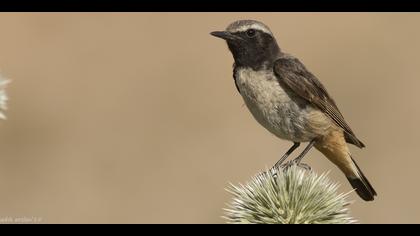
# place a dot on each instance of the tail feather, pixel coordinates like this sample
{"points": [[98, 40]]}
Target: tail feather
{"points": [[363, 188], [334, 147]]}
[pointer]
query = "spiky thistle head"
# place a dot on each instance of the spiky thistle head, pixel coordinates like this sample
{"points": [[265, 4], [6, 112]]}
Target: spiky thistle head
{"points": [[291, 196], [3, 96]]}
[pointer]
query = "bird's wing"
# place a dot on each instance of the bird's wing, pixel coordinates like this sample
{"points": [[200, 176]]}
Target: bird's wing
{"points": [[291, 72]]}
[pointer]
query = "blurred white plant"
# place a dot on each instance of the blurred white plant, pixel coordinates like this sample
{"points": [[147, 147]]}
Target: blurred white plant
{"points": [[290, 196], [3, 96]]}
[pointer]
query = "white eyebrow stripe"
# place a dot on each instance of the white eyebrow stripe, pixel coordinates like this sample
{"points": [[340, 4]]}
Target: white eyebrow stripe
{"points": [[253, 26]]}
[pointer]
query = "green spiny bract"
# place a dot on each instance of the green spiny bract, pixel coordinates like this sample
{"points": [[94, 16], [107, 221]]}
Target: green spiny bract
{"points": [[291, 196]]}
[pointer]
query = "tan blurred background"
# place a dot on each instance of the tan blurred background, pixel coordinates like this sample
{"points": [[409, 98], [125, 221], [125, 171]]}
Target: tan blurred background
{"points": [[134, 117]]}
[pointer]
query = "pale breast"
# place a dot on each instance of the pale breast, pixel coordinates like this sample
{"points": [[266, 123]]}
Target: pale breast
{"points": [[281, 113]]}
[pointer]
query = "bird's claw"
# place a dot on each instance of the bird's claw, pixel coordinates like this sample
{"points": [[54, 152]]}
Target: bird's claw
{"points": [[305, 166], [274, 170], [291, 163]]}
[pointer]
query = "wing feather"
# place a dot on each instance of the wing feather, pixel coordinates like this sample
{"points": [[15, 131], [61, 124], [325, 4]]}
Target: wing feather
{"points": [[294, 74]]}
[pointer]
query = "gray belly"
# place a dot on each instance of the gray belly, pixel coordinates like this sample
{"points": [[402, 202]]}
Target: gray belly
{"points": [[286, 116]]}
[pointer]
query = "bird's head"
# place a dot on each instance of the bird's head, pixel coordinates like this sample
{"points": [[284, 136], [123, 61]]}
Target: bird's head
{"points": [[251, 42]]}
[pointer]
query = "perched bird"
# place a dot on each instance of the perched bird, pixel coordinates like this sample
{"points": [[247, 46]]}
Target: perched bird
{"points": [[289, 101]]}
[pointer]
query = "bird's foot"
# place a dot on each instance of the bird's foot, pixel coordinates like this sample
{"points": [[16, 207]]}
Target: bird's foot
{"points": [[276, 168], [291, 163]]}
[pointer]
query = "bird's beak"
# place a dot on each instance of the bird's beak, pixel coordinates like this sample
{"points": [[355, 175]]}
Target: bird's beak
{"points": [[225, 35]]}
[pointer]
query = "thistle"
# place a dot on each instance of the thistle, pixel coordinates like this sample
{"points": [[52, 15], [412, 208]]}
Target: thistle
{"points": [[290, 196]]}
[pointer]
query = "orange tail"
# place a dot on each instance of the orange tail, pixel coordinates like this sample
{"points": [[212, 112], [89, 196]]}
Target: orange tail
{"points": [[335, 148]]}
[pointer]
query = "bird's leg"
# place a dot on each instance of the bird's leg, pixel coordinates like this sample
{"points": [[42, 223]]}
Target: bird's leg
{"points": [[298, 159], [305, 151], [287, 154]]}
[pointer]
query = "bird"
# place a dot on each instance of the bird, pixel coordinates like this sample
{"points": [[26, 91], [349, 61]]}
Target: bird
{"points": [[290, 102]]}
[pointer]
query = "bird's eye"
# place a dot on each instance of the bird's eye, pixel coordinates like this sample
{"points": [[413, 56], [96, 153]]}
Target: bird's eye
{"points": [[250, 33]]}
